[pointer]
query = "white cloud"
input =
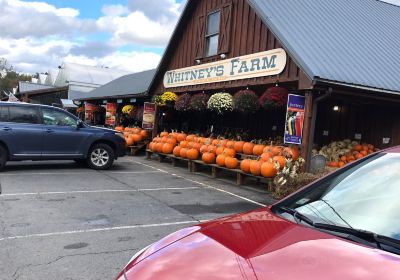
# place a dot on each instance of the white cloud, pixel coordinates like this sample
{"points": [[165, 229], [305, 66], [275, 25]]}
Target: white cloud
{"points": [[156, 9], [38, 19], [114, 10]]}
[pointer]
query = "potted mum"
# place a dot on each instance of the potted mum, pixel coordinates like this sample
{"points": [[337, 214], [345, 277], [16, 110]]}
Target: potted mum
{"points": [[274, 97], [198, 102], [220, 103], [183, 102], [245, 101]]}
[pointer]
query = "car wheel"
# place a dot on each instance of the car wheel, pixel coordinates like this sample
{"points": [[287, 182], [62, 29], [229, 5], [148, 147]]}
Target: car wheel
{"points": [[3, 157], [100, 157]]}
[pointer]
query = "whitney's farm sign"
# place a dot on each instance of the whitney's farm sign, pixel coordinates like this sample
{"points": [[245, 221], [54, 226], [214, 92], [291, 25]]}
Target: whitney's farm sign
{"points": [[244, 67]]}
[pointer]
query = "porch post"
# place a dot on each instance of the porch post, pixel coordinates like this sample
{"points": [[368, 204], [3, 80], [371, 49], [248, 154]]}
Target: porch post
{"points": [[307, 137]]}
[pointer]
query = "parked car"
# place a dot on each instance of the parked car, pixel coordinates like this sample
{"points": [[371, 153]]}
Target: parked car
{"points": [[39, 132], [344, 226]]}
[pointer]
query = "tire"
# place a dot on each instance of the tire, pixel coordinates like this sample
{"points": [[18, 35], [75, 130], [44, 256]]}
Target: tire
{"points": [[3, 157], [100, 157]]}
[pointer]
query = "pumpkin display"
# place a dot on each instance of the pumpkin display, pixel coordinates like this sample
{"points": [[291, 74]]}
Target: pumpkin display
{"points": [[129, 141], [238, 146], [258, 149], [281, 160], [221, 160], [268, 170], [208, 158], [158, 147], [219, 150], [231, 162], [245, 165], [177, 151], [192, 154], [144, 133], [255, 167], [137, 137], [167, 148], [184, 144], [248, 148], [230, 144], [204, 149]]}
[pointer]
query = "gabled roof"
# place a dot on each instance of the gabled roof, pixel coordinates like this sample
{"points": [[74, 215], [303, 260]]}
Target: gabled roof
{"points": [[350, 42], [73, 73], [125, 86]]}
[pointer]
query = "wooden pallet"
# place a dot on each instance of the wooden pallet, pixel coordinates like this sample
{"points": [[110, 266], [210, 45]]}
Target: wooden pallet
{"points": [[133, 150], [193, 166]]}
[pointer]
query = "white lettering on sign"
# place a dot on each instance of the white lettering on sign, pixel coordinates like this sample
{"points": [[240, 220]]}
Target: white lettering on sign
{"points": [[255, 65]]}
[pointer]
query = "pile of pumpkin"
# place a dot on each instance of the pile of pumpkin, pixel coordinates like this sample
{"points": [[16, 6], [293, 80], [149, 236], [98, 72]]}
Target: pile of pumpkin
{"points": [[259, 159], [339, 153], [133, 135]]}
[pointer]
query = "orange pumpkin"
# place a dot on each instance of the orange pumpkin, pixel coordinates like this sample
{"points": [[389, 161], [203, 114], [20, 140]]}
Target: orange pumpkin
{"points": [[167, 148], [221, 160], [281, 160], [171, 141], [245, 165], [276, 151], [183, 152], [129, 141], [223, 142], [358, 148], [204, 149], [215, 142], [137, 137], [164, 134], [268, 170], [159, 147], [144, 133], [219, 150], [248, 148], [177, 151], [119, 128], [343, 158], [136, 130], [265, 157], [151, 144], [229, 152], [192, 154], [184, 144], [364, 152], [181, 137], [268, 149], [208, 158], [230, 144], [231, 162], [190, 137], [255, 167], [238, 146], [258, 149], [359, 155], [292, 153], [196, 146], [342, 163]]}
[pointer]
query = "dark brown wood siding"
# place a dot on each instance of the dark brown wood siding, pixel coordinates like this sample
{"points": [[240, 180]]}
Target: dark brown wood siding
{"points": [[247, 35]]}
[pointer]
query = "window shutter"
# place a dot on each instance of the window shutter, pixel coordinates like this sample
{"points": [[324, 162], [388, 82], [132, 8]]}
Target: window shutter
{"points": [[225, 29], [200, 35]]}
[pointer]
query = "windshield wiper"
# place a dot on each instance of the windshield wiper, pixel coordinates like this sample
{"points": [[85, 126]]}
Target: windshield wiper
{"points": [[296, 214], [366, 235]]}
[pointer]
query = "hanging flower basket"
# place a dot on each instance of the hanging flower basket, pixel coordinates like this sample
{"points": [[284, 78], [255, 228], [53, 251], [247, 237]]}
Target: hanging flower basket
{"points": [[198, 102], [220, 103], [183, 102], [245, 101], [274, 97], [165, 99], [157, 100], [128, 110]]}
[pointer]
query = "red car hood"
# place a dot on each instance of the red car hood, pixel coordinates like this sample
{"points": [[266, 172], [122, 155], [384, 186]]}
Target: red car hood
{"points": [[260, 245]]}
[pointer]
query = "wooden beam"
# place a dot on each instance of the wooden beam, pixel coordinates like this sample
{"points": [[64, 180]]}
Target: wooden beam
{"points": [[307, 138]]}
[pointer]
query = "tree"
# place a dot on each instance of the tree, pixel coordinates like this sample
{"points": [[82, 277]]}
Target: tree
{"points": [[11, 77]]}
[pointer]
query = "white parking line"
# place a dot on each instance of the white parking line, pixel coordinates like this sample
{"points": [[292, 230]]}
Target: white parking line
{"points": [[73, 173], [98, 230], [97, 191], [202, 184]]}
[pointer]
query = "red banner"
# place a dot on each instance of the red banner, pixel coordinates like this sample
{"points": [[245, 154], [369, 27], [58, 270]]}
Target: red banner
{"points": [[149, 115], [111, 111]]}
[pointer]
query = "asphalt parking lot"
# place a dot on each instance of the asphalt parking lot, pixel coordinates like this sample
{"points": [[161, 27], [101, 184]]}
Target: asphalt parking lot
{"points": [[62, 221]]}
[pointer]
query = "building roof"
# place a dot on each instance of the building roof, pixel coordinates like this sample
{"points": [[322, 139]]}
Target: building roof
{"points": [[24, 87], [128, 85], [350, 42], [71, 73]]}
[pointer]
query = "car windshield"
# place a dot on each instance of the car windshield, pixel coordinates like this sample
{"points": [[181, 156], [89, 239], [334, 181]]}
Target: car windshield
{"points": [[365, 197]]}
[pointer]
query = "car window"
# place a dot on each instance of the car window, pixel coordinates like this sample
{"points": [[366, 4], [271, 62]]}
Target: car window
{"points": [[56, 117], [365, 196], [23, 114], [3, 113]]}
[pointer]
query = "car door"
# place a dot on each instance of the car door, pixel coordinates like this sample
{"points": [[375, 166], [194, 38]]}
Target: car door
{"points": [[22, 131], [62, 138]]}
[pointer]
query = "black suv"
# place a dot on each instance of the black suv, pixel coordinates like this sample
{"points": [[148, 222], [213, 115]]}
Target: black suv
{"points": [[39, 132]]}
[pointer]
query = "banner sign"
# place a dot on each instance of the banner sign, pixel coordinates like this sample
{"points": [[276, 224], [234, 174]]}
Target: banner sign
{"points": [[255, 65], [149, 115], [294, 119], [89, 110], [111, 112]]}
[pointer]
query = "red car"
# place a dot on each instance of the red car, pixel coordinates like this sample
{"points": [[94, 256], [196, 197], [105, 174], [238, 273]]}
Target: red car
{"points": [[345, 226]]}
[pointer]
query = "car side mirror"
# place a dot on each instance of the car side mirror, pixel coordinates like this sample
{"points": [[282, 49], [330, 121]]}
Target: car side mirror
{"points": [[79, 124]]}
